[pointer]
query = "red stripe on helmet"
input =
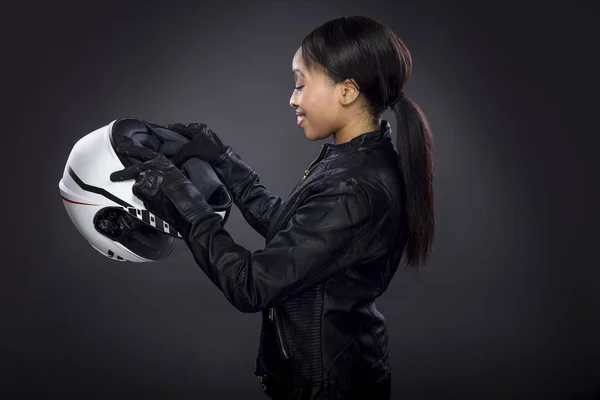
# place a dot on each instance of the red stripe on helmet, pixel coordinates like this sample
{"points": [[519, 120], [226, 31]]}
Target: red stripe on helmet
{"points": [[78, 202]]}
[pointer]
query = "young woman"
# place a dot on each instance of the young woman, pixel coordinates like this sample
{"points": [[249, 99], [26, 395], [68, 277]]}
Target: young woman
{"points": [[334, 245]]}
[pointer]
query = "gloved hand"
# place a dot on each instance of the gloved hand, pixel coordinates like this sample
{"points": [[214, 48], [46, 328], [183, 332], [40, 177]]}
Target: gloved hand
{"points": [[204, 143], [159, 184]]}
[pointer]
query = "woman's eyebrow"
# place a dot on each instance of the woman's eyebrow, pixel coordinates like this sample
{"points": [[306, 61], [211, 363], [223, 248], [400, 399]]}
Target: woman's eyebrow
{"points": [[298, 71]]}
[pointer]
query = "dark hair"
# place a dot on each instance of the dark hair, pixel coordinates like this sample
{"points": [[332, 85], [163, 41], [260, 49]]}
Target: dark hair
{"points": [[370, 53]]}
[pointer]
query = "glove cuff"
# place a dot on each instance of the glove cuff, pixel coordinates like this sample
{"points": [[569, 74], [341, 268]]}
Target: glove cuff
{"points": [[227, 151]]}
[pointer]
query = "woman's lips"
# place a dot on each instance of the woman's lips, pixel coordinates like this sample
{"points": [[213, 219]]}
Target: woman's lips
{"points": [[300, 119]]}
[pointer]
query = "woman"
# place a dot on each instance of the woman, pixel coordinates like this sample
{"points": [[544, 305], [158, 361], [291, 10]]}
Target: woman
{"points": [[334, 245]]}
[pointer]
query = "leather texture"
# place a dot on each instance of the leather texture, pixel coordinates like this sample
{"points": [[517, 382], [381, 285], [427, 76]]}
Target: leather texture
{"points": [[204, 143], [331, 249]]}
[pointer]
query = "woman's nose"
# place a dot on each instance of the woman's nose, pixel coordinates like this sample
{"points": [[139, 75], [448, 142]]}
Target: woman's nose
{"points": [[293, 102]]}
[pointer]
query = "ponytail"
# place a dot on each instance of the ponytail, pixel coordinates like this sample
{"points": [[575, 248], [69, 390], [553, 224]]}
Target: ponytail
{"points": [[380, 63], [415, 148]]}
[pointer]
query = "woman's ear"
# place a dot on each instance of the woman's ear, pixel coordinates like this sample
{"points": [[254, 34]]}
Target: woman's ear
{"points": [[349, 92]]}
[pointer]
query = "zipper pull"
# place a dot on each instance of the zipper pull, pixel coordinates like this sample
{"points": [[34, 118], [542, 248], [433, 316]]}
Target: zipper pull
{"points": [[305, 174], [307, 171]]}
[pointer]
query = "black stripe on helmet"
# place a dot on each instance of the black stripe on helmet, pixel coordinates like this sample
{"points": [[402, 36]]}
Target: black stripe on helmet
{"points": [[97, 190]]}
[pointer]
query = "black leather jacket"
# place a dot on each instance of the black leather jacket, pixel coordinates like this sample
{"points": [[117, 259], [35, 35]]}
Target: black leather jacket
{"points": [[331, 250]]}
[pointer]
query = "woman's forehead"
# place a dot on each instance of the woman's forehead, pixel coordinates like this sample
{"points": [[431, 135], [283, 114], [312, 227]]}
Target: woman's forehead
{"points": [[298, 67]]}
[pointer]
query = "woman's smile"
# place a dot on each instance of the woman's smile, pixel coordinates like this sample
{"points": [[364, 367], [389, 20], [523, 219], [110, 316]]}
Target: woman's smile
{"points": [[300, 118]]}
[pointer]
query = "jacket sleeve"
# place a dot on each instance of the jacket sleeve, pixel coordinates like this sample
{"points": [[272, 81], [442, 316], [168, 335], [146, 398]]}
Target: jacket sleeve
{"points": [[256, 203], [328, 232]]}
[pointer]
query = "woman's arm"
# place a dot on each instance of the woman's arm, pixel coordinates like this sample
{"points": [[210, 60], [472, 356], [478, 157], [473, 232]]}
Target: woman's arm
{"points": [[256, 203], [329, 232]]}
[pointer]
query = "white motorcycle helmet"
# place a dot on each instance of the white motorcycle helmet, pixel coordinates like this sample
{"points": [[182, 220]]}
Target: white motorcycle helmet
{"points": [[112, 219]]}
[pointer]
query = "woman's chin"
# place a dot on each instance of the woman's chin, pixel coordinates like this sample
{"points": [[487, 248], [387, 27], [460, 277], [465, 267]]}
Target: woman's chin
{"points": [[309, 135], [312, 135]]}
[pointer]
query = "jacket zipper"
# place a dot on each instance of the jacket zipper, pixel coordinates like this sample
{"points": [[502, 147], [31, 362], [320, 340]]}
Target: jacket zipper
{"points": [[273, 228], [272, 311], [307, 171], [273, 317]]}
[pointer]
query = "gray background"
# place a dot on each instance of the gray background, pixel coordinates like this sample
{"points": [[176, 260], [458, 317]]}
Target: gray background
{"points": [[509, 308]]}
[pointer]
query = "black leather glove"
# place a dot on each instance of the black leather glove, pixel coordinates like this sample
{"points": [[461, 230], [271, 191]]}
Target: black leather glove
{"points": [[160, 185], [204, 143], [256, 203]]}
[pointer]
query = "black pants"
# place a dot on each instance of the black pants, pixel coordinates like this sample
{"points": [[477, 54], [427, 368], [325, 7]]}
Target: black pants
{"points": [[381, 390]]}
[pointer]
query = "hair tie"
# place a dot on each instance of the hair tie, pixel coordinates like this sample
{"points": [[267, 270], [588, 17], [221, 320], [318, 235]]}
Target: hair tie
{"points": [[397, 100]]}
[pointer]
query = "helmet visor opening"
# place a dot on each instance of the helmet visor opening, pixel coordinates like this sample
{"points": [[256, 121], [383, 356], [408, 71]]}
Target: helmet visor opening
{"points": [[136, 235]]}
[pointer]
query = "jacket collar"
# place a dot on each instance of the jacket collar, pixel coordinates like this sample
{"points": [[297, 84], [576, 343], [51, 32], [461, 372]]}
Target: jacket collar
{"points": [[365, 140]]}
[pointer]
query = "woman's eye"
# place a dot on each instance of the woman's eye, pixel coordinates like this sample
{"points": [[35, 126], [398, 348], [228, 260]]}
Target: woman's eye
{"points": [[298, 87]]}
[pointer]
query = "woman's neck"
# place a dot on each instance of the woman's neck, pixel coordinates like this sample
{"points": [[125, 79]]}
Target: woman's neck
{"points": [[354, 129]]}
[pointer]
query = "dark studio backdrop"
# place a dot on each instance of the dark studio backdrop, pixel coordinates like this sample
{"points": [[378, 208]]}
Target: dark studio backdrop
{"points": [[509, 307]]}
